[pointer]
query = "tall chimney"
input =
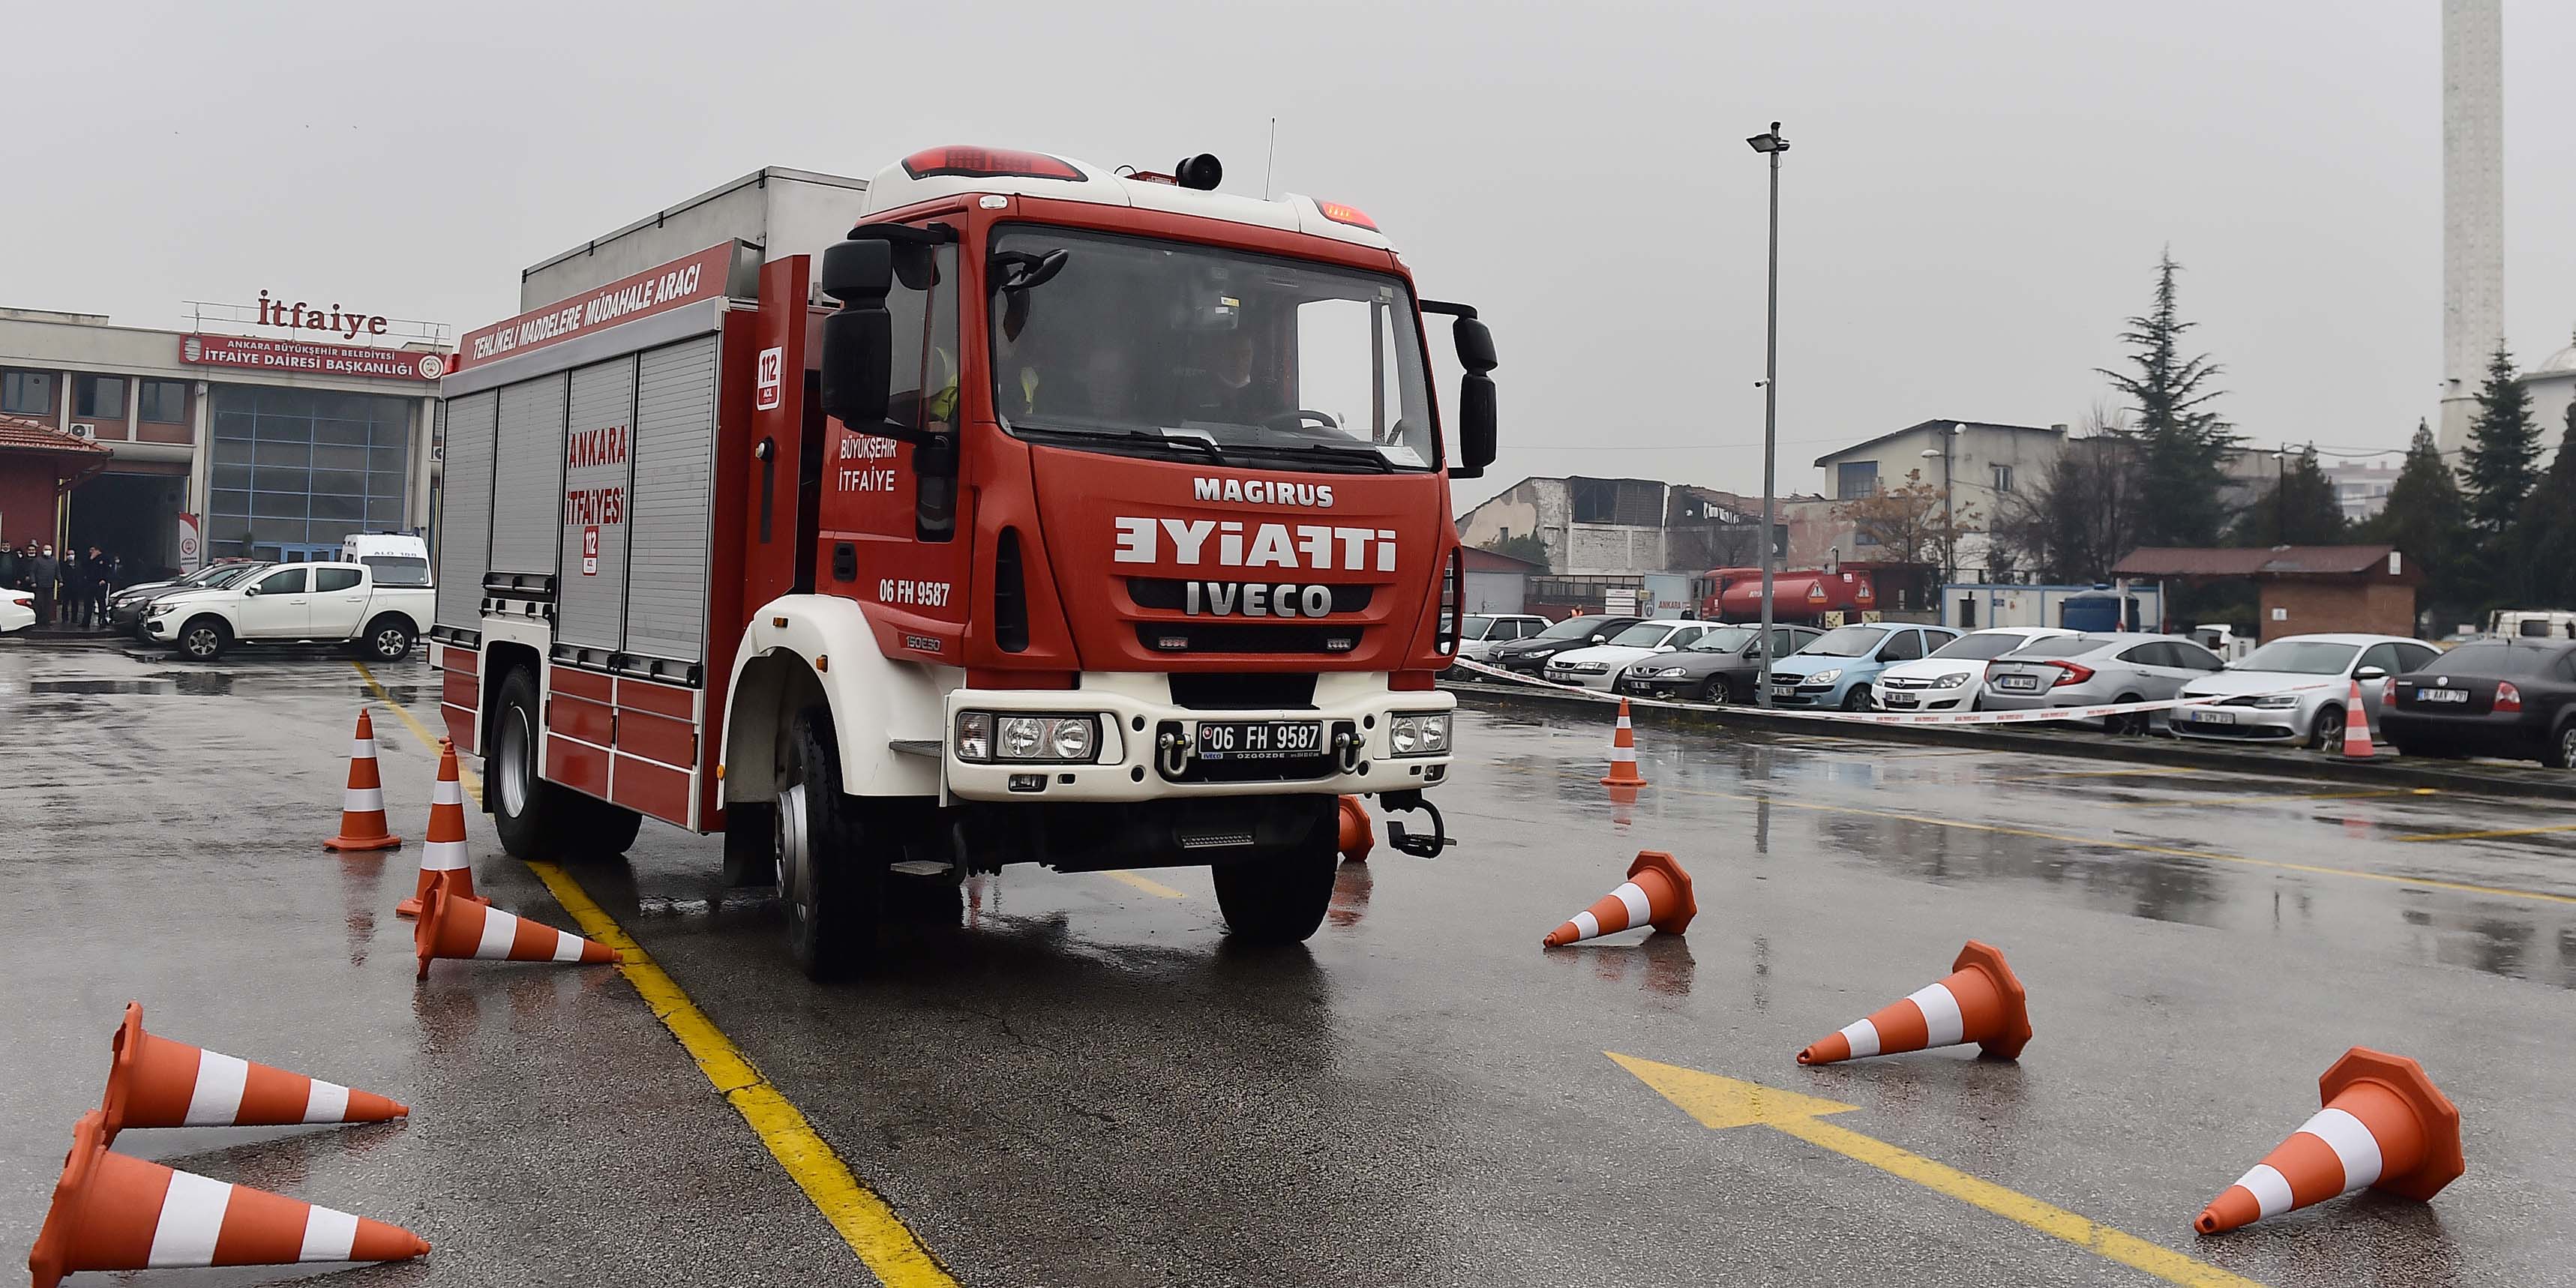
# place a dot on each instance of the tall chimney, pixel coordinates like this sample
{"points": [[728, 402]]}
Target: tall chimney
{"points": [[2472, 206]]}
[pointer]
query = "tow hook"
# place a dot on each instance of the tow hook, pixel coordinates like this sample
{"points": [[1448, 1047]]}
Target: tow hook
{"points": [[1172, 753], [1406, 842], [1348, 744]]}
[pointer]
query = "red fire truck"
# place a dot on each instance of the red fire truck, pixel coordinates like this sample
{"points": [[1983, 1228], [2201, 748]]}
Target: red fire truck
{"points": [[1055, 514]]}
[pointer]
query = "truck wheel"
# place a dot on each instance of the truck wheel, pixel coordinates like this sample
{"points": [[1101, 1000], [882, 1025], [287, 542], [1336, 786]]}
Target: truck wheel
{"points": [[830, 872], [1281, 898], [750, 843], [533, 816], [388, 639], [204, 639]]}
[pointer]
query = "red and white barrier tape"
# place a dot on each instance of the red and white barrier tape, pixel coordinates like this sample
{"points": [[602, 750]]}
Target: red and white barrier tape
{"points": [[2032, 715]]}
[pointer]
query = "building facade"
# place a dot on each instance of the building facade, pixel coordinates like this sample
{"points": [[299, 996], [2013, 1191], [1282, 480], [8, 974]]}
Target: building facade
{"points": [[225, 444], [1978, 466]]}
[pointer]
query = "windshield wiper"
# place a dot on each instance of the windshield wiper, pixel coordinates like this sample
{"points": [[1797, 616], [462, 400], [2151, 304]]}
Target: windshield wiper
{"points": [[1377, 464], [1193, 442]]}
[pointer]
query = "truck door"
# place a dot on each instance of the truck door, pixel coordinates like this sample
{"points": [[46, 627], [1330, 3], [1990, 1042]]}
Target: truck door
{"points": [[339, 599], [280, 609]]}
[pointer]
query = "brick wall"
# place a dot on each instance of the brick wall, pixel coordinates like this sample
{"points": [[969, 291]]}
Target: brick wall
{"points": [[26, 497], [2311, 607]]}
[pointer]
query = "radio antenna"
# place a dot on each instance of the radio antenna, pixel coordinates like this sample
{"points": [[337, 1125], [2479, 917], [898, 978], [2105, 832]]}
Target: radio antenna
{"points": [[1268, 162]]}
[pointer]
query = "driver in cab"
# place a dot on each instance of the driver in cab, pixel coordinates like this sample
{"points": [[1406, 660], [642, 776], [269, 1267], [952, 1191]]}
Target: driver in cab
{"points": [[1228, 385]]}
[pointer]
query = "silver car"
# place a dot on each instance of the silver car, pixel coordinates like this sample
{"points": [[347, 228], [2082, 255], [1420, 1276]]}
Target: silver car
{"points": [[2097, 669], [2296, 688]]}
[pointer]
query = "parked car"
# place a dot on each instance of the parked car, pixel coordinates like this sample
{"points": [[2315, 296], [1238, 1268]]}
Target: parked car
{"points": [[1529, 656], [1482, 633], [126, 607], [2097, 669], [1949, 679], [1722, 665], [2513, 698], [1836, 669], [2298, 687], [292, 602], [1598, 666], [17, 610]]}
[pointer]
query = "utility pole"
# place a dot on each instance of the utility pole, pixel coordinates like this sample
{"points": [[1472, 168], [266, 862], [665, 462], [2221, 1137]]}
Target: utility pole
{"points": [[1771, 145], [2281, 496]]}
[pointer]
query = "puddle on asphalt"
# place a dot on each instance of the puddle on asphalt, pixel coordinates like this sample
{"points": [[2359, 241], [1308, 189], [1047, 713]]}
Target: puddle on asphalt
{"points": [[206, 685]]}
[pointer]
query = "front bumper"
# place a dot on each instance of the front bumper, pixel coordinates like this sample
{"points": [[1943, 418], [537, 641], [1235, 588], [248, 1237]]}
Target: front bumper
{"points": [[1808, 695], [2241, 724], [1956, 698], [1141, 729], [162, 629], [1597, 680]]}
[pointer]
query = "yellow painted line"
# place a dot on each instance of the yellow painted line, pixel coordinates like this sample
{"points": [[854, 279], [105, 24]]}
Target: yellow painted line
{"points": [[2187, 802], [1146, 884], [2095, 773], [884, 1244], [1720, 1103], [2212, 856], [2502, 831]]}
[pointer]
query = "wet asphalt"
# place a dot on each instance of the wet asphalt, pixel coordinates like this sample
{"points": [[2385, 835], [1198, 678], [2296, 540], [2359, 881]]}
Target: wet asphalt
{"points": [[1080, 1082]]}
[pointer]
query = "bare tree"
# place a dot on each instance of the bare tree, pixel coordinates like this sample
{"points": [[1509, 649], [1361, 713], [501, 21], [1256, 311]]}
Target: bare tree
{"points": [[1910, 523], [2083, 517]]}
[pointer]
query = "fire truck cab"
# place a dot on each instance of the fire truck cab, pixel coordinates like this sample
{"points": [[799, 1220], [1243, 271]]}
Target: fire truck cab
{"points": [[1055, 514]]}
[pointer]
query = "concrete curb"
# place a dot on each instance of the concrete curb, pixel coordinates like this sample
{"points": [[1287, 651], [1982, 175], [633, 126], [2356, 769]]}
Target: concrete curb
{"points": [[2385, 771]]}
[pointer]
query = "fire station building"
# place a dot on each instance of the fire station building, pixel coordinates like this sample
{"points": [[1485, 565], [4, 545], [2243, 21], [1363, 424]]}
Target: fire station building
{"points": [[220, 444]]}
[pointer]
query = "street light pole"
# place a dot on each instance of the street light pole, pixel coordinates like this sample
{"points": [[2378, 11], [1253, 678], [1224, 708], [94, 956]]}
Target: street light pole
{"points": [[1771, 145]]}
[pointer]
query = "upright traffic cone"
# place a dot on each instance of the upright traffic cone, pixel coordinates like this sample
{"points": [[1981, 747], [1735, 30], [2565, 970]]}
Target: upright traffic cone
{"points": [[444, 849], [155, 1082], [2384, 1125], [469, 931], [362, 806], [1657, 893], [2356, 727], [1356, 842], [1979, 1001], [1623, 754], [114, 1212]]}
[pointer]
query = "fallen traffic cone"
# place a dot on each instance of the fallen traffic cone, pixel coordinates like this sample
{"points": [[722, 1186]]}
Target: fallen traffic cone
{"points": [[1356, 842], [115, 1212], [444, 848], [362, 806], [1623, 753], [1979, 1001], [466, 930], [2384, 1125], [1657, 893], [155, 1082], [2356, 727]]}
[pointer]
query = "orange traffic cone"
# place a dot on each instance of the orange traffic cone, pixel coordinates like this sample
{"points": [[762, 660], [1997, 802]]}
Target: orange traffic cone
{"points": [[2356, 727], [362, 806], [155, 1082], [2384, 1125], [114, 1212], [1657, 893], [469, 931], [1356, 842], [1979, 1001], [444, 850], [1623, 754]]}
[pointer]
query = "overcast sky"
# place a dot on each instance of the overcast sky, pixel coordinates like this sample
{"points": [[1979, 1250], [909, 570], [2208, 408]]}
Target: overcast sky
{"points": [[1975, 197]]}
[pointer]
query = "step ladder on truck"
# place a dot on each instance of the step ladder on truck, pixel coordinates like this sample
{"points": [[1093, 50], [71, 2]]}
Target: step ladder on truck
{"points": [[1054, 515]]}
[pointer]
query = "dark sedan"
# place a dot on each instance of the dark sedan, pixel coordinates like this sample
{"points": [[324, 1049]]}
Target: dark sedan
{"points": [[1529, 656], [2510, 698], [1720, 666], [126, 607]]}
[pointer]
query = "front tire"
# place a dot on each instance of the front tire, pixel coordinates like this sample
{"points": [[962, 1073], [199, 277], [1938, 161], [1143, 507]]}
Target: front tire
{"points": [[1281, 898], [2327, 733], [1717, 691], [203, 639], [531, 814], [1857, 699], [830, 872]]}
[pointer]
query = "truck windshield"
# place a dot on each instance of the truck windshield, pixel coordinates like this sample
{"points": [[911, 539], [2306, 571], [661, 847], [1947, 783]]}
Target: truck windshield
{"points": [[1159, 348]]}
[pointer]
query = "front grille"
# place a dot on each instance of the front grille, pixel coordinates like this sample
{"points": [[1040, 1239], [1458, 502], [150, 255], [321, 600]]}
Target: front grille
{"points": [[1166, 594], [1204, 637]]}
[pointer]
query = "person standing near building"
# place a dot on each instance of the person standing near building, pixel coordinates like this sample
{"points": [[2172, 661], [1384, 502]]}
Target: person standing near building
{"points": [[96, 571], [43, 572], [9, 567]]}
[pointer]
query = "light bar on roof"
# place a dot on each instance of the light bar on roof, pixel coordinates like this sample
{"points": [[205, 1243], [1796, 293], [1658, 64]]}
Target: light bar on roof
{"points": [[1341, 214], [988, 163]]}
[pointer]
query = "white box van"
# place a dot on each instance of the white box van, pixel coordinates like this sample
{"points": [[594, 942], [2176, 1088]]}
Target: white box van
{"points": [[396, 559]]}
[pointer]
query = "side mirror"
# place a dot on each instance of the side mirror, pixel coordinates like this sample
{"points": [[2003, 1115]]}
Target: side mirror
{"points": [[2371, 673], [1600, 639], [250, 590], [858, 351], [1476, 419]]}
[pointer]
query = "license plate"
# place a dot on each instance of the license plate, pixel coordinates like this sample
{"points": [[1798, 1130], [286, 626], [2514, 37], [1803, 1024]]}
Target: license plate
{"points": [[2018, 683], [1784, 690], [1260, 739], [2199, 716], [1900, 699], [2441, 695]]}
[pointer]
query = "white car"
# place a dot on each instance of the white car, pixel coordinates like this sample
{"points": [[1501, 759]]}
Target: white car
{"points": [[1948, 679], [1599, 666], [1485, 632], [2296, 688], [291, 602], [17, 610]]}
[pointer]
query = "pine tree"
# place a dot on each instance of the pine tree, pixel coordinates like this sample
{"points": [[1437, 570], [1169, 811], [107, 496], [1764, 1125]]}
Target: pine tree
{"points": [[2182, 445], [2545, 535], [2499, 464], [2299, 509], [2427, 521]]}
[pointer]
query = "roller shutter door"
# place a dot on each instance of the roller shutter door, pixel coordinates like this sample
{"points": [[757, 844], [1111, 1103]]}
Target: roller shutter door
{"points": [[465, 510], [527, 476], [590, 604], [673, 493]]}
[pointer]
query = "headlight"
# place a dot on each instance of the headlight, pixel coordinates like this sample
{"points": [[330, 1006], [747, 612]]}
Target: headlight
{"points": [[2277, 701], [1670, 673], [164, 610], [1421, 734], [985, 737], [1951, 681], [1824, 677]]}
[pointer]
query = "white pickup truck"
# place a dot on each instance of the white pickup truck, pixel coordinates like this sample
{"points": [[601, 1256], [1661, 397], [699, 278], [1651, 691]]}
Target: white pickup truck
{"points": [[294, 602]]}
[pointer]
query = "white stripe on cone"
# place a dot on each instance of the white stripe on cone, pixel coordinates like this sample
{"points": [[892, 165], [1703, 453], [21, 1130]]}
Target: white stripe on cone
{"points": [[1941, 1019], [2270, 1189], [326, 1102], [362, 749], [328, 1235], [216, 1099], [192, 1217], [364, 800], [447, 791], [1863, 1037], [442, 856], [1587, 923], [2352, 1143], [1639, 910], [499, 928]]}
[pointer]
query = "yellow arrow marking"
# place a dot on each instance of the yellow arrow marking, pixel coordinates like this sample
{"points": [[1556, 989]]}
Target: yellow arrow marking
{"points": [[1730, 1102]]}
